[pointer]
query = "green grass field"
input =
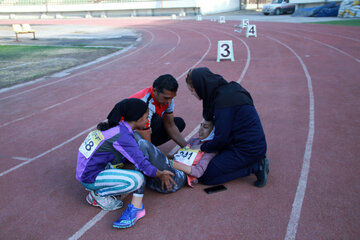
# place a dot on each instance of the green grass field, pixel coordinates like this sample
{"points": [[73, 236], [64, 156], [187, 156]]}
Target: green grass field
{"points": [[353, 22], [19, 64]]}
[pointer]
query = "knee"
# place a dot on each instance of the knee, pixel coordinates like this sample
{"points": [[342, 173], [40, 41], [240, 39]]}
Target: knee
{"points": [[180, 123], [139, 182], [140, 179]]}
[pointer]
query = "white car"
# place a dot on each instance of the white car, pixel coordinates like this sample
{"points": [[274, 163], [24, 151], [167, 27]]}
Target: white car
{"points": [[278, 7]]}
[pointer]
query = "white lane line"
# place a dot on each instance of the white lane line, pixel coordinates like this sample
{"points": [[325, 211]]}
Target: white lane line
{"points": [[193, 132], [201, 59], [21, 158], [174, 149], [301, 188], [88, 225], [71, 139], [325, 44], [100, 215], [93, 221], [177, 44], [85, 71], [329, 34], [68, 100], [46, 152], [58, 104], [47, 108], [248, 56], [28, 160]]}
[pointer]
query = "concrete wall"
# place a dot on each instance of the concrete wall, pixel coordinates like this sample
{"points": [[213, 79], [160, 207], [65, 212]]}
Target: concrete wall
{"points": [[101, 7], [217, 6], [154, 8]]}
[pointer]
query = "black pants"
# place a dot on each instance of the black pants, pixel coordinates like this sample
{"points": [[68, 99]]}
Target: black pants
{"points": [[228, 165], [158, 131]]}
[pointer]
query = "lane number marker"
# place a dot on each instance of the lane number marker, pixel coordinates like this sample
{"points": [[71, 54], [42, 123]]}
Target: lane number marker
{"points": [[222, 19], [225, 50], [251, 31]]}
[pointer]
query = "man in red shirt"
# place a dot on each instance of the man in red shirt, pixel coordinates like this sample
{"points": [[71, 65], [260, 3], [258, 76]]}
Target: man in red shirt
{"points": [[162, 125]]}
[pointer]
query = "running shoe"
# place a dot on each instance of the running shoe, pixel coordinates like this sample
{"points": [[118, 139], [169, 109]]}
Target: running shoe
{"points": [[107, 203], [262, 174], [129, 217]]}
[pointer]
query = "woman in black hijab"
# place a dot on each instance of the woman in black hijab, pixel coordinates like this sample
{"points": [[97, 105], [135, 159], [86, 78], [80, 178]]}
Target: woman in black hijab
{"points": [[239, 137]]}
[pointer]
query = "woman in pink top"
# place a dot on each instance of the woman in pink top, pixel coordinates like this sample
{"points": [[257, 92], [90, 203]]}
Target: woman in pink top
{"points": [[197, 169]]}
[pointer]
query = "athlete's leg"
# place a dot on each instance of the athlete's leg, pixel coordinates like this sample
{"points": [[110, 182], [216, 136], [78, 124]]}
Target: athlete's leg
{"points": [[161, 162], [159, 134], [116, 182]]}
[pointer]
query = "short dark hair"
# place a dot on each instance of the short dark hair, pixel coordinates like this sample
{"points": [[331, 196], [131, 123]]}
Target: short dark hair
{"points": [[165, 82]]}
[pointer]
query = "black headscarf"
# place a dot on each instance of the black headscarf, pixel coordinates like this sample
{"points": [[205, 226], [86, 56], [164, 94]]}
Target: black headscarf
{"points": [[131, 109], [215, 91]]}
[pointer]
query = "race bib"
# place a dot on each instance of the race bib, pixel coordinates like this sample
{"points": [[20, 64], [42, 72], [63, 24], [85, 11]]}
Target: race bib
{"points": [[186, 156], [88, 147]]}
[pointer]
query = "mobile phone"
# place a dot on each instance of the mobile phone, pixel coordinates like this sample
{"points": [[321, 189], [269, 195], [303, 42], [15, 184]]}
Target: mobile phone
{"points": [[215, 189]]}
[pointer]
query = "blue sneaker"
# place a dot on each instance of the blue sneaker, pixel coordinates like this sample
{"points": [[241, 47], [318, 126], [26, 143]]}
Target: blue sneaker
{"points": [[129, 217]]}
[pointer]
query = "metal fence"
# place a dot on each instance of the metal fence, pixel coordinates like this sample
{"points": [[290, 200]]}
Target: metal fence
{"points": [[258, 2], [66, 2]]}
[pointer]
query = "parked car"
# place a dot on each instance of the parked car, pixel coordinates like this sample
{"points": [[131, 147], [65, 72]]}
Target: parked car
{"points": [[278, 7]]}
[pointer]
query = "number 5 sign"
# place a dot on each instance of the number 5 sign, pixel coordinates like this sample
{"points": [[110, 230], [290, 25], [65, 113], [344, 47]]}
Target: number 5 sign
{"points": [[225, 50], [245, 23]]}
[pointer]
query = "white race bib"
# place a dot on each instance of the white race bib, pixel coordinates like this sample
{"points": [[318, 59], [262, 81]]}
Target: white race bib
{"points": [[88, 147], [186, 156]]}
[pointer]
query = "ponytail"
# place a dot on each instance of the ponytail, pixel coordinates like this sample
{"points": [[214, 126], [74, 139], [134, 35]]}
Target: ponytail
{"points": [[103, 126]]}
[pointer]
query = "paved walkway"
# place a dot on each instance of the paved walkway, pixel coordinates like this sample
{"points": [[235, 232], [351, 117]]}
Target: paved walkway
{"points": [[82, 35], [70, 35]]}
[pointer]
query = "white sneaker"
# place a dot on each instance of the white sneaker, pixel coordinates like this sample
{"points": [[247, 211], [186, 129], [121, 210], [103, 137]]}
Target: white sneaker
{"points": [[107, 203]]}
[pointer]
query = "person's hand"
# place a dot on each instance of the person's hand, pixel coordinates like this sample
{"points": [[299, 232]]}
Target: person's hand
{"points": [[166, 179]]}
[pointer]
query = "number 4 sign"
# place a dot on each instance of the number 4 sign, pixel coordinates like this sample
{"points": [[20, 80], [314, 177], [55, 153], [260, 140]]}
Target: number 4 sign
{"points": [[251, 31], [225, 50]]}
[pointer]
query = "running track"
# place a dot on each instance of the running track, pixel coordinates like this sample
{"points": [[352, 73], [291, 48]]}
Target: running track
{"points": [[304, 79]]}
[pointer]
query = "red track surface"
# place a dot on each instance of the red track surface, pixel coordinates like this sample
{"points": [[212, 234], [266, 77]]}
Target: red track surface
{"points": [[304, 79]]}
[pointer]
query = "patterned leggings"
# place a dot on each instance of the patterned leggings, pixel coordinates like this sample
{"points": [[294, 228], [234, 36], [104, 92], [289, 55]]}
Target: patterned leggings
{"points": [[121, 181], [117, 182]]}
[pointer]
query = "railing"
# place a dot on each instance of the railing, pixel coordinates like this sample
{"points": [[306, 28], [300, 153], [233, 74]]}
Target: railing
{"points": [[67, 2]]}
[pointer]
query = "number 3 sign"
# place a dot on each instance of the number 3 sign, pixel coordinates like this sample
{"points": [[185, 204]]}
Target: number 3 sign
{"points": [[225, 50]]}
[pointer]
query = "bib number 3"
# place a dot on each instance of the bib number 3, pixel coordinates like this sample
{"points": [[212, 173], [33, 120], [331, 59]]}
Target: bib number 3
{"points": [[91, 142]]}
